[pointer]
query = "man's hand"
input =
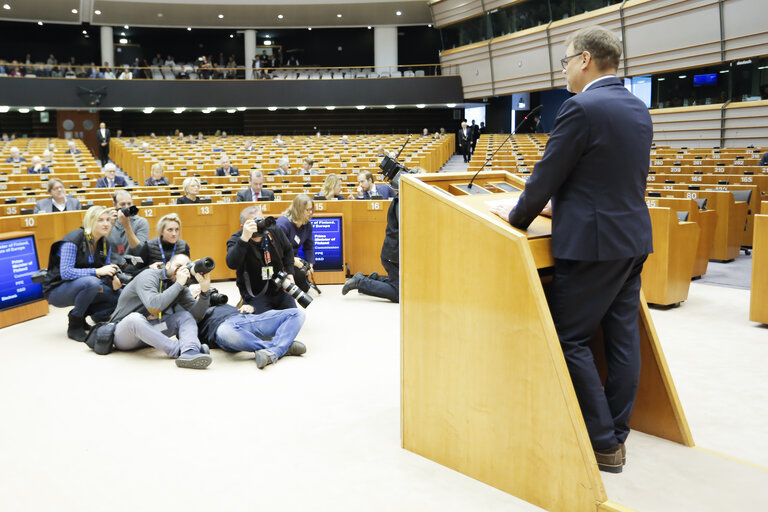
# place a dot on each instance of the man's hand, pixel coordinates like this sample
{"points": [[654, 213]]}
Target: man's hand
{"points": [[245, 308], [122, 219], [503, 210], [360, 191], [182, 276], [204, 280], [116, 284], [297, 262], [113, 216], [249, 228], [107, 270]]}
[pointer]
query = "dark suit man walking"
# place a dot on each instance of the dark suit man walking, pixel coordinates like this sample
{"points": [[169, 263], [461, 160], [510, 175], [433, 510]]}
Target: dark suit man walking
{"points": [[102, 136], [465, 140], [594, 169]]}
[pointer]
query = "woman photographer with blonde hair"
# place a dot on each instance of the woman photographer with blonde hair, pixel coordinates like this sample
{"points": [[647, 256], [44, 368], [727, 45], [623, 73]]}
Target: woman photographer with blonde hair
{"points": [[295, 223], [168, 243], [80, 272]]}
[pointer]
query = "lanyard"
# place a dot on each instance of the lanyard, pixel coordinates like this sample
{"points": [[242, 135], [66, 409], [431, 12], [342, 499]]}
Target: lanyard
{"points": [[106, 251], [265, 248], [162, 252]]}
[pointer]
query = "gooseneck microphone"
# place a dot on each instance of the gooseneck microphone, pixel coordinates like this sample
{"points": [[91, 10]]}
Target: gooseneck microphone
{"points": [[530, 114], [403, 147]]}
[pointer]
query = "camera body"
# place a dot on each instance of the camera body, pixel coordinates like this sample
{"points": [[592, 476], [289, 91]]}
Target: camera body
{"points": [[264, 225], [282, 282], [129, 211], [201, 266], [392, 170], [217, 299]]}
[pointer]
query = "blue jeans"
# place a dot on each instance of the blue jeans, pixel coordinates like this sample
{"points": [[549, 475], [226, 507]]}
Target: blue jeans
{"points": [[89, 296], [249, 332]]}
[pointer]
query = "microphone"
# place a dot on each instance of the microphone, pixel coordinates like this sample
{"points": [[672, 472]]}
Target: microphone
{"points": [[530, 114], [403, 147]]}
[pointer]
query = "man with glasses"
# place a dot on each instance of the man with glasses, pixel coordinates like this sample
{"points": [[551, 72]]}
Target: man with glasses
{"points": [[594, 170]]}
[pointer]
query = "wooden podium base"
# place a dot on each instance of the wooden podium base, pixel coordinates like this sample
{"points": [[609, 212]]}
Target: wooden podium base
{"points": [[23, 313]]}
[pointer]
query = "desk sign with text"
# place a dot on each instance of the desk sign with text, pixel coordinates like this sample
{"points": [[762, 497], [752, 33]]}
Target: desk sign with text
{"points": [[18, 261], [329, 244]]}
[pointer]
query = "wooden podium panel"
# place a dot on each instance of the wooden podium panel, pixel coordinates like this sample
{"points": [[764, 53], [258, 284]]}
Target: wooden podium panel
{"points": [[758, 308], [485, 387]]}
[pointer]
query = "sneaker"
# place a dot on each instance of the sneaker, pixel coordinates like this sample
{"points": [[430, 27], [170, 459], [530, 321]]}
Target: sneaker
{"points": [[194, 360], [609, 460], [264, 357], [296, 349], [353, 283], [205, 349]]}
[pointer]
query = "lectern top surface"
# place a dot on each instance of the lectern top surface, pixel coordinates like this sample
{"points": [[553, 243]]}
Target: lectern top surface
{"points": [[541, 227]]}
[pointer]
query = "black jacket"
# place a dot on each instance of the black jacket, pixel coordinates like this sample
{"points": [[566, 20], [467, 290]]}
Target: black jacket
{"points": [[214, 317], [83, 260], [390, 250], [150, 250], [247, 258]]}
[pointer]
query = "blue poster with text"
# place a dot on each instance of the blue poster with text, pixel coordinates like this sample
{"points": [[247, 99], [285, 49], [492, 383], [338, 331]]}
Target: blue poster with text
{"points": [[18, 261]]}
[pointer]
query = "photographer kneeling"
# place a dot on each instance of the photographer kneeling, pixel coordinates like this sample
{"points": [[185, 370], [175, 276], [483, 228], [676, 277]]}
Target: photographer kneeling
{"points": [[156, 305], [258, 253], [80, 272], [270, 335]]}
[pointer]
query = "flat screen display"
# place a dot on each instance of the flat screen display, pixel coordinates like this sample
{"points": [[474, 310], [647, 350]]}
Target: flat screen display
{"points": [[329, 244], [18, 261], [704, 80]]}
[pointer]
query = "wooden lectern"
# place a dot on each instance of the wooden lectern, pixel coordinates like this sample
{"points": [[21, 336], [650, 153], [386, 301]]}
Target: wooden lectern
{"points": [[485, 387]]}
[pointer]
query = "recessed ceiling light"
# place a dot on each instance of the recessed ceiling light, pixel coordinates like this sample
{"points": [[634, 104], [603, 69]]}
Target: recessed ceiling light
{"points": [[390, 107], [179, 110], [126, 27], [24, 110], [267, 43], [123, 40], [74, 11], [272, 109], [118, 109], [430, 25], [39, 109], [330, 107], [221, 16], [301, 108], [241, 109], [309, 28], [149, 110], [369, 27], [231, 110], [727, 71], [266, 36], [121, 33], [450, 105], [40, 23], [97, 12], [661, 79], [189, 28], [231, 36], [159, 15], [682, 76], [85, 31], [420, 105], [212, 109], [6, 7], [338, 15], [4, 109], [398, 13], [360, 107], [279, 16]]}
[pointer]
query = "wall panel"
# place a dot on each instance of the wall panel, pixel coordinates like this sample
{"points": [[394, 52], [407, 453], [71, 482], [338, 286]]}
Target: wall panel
{"points": [[745, 124], [521, 61], [687, 126], [446, 12], [473, 64], [745, 33]]}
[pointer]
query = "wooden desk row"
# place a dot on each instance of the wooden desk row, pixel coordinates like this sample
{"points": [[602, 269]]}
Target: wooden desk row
{"points": [[208, 227]]}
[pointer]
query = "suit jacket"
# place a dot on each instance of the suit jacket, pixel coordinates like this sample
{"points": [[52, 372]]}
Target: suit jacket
{"points": [[101, 139], [232, 171], [764, 159], [119, 182], [43, 170], [465, 140], [594, 169], [46, 205], [382, 189], [246, 195], [10, 160]]}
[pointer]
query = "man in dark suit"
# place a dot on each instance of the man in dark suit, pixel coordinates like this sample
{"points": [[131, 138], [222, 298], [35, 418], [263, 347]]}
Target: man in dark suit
{"points": [[764, 160], [465, 140], [15, 157], [255, 192], [110, 180], [594, 169], [226, 168], [102, 137], [37, 166]]}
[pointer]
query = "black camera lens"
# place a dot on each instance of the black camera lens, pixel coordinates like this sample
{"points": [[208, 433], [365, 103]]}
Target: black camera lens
{"points": [[263, 225], [130, 211], [201, 266]]}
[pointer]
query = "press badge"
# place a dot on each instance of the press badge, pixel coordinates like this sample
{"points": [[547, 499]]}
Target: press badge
{"points": [[266, 273], [297, 239]]}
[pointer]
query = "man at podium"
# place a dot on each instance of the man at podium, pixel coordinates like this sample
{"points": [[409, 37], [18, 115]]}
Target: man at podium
{"points": [[594, 170]]}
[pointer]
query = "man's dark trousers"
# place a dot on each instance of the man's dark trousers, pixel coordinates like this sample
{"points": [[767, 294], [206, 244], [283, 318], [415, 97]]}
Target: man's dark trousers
{"points": [[586, 295], [388, 288]]}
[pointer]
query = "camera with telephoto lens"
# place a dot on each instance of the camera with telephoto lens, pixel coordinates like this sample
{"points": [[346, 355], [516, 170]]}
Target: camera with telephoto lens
{"points": [[123, 277], [263, 225], [217, 299], [392, 170], [129, 211], [201, 266], [282, 281]]}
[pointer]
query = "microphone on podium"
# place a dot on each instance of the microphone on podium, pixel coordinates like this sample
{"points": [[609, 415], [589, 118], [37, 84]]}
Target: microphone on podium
{"points": [[530, 115]]}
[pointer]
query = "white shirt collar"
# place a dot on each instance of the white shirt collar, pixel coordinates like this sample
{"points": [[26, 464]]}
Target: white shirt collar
{"points": [[593, 82]]}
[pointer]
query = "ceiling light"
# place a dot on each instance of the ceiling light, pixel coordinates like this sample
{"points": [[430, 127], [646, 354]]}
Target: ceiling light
{"points": [[40, 23], [267, 43], [74, 11], [728, 71], [682, 76], [241, 109], [97, 12], [330, 107], [118, 109], [231, 36], [430, 25], [24, 110], [221, 16], [279, 16], [420, 105], [266, 36], [212, 109], [121, 33], [272, 109], [369, 27], [301, 108], [4, 109], [189, 28], [123, 41], [205, 111], [6, 7], [360, 107], [231, 110], [149, 110], [390, 107], [338, 15], [39, 109], [398, 13], [159, 15], [309, 28], [126, 27], [179, 110], [85, 31], [450, 105]]}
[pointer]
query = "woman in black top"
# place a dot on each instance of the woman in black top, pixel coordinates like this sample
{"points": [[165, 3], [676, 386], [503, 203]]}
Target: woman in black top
{"points": [[191, 187], [157, 178], [167, 244]]}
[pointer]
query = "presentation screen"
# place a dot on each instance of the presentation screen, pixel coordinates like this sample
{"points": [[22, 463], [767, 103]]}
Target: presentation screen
{"points": [[18, 261], [329, 244], [704, 80]]}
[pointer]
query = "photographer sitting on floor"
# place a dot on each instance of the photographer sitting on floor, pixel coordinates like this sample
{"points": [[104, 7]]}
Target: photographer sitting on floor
{"points": [[258, 252], [156, 305], [269, 335]]}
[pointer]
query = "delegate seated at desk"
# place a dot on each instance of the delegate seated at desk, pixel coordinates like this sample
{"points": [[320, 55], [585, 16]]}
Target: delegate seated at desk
{"points": [[59, 200], [256, 191], [367, 189]]}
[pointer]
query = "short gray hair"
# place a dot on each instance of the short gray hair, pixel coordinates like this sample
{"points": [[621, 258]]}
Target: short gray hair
{"points": [[110, 166], [602, 44], [284, 160], [256, 174], [247, 212]]}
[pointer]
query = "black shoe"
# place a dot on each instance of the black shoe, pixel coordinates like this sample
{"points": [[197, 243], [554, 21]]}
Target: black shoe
{"points": [[353, 283], [76, 328]]}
